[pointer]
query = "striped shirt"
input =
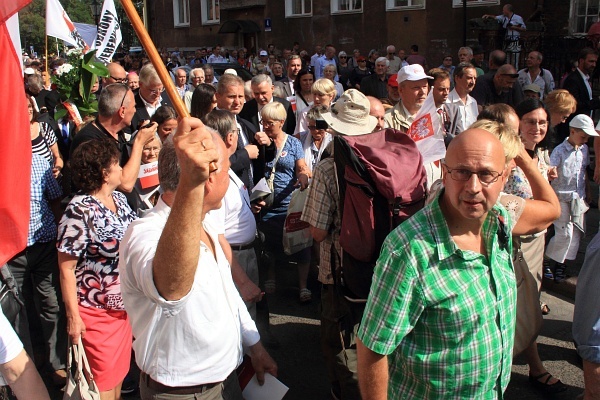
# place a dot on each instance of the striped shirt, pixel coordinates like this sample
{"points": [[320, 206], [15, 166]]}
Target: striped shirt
{"points": [[444, 316], [41, 144]]}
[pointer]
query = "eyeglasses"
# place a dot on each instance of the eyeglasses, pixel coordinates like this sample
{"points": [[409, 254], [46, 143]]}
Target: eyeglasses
{"points": [[196, 77], [541, 123], [124, 94], [118, 80], [267, 124], [463, 175], [315, 128], [343, 57], [156, 91], [155, 149]]}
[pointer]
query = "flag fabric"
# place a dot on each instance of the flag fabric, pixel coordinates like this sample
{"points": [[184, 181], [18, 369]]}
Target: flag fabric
{"points": [[426, 132], [15, 148], [59, 25], [9, 8], [109, 33]]}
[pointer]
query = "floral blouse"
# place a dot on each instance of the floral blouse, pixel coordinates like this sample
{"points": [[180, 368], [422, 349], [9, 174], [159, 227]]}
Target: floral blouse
{"points": [[518, 184], [92, 232]]}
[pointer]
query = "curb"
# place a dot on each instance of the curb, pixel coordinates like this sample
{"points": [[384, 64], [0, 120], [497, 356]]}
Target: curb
{"points": [[566, 288]]}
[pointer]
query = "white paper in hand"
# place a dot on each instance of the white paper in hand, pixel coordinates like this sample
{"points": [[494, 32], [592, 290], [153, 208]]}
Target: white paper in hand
{"points": [[273, 389], [261, 189]]}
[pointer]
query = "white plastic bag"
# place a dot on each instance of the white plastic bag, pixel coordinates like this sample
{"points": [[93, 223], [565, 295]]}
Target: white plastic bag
{"points": [[296, 233]]}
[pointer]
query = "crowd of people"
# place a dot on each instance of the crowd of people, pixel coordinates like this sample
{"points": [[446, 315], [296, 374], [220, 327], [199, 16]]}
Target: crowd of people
{"points": [[176, 268]]}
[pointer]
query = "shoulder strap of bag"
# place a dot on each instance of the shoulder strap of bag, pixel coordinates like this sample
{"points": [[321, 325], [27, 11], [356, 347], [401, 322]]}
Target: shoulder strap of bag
{"points": [[279, 151]]}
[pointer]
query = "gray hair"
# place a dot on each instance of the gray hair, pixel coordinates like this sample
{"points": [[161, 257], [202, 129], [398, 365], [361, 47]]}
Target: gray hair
{"points": [[35, 84], [148, 75], [315, 112], [467, 49], [111, 98], [260, 78], [169, 170], [222, 121], [383, 59], [193, 72]]}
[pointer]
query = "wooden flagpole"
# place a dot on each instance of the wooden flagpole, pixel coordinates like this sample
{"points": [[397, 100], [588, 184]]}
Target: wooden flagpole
{"points": [[155, 59], [160, 67]]}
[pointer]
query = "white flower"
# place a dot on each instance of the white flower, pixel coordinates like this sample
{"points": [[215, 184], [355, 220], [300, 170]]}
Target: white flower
{"points": [[64, 69], [74, 52]]}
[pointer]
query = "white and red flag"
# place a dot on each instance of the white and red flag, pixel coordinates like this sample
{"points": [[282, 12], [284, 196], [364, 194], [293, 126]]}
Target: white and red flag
{"points": [[425, 131], [109, 36], [59, 25], [15, 149]]}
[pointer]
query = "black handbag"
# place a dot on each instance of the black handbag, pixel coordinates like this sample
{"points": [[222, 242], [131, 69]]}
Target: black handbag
{"points": [[9, 295]]}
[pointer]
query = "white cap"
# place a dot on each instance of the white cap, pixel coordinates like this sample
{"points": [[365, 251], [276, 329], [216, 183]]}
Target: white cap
{"points": [[230, 71], [584, 123], [29, 71], [413, 72], [263, 53]]}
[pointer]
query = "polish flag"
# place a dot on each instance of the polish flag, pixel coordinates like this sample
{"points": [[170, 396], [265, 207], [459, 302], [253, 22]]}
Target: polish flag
{"points": [[59, 25], [15, 149], [425, 131]]}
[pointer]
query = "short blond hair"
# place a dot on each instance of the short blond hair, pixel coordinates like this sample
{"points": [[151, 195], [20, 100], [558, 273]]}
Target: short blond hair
{"points": [[275, 111], [560, 101], [323, 86], [511, 142]]}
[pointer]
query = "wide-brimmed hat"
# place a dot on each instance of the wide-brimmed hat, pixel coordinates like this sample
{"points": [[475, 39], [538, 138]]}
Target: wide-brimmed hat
{"points": [[413, 72], [350, 114], [584, 123]]}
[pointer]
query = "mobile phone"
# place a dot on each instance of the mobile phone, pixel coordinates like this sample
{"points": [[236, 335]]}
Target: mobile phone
{"points": [[321, 124], [148, 125]]}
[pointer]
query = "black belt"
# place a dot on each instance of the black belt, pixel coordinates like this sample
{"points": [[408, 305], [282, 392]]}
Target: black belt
{"points": [[239, 247], [159, 387]]}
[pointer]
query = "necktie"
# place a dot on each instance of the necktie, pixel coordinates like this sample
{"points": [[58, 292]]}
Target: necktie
{"points": [[65, 132]]}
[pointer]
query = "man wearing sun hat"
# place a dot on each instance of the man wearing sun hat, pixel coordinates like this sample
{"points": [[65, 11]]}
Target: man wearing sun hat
{"points": [[413, 88], [339, 317]]}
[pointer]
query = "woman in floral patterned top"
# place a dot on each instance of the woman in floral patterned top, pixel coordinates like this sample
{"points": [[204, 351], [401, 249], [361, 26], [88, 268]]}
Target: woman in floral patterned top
{"points": [[88, 244]]}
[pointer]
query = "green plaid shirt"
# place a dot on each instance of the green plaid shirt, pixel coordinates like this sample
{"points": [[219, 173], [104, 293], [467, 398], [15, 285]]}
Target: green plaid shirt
{"points": [[444, 316]]}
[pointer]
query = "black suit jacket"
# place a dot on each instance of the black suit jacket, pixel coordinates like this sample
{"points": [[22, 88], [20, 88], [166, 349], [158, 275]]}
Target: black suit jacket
{"points": [[141, 113], [576, 86], [250, 113], [240, 161]]}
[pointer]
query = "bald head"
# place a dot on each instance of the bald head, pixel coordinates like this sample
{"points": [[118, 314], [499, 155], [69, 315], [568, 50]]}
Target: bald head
{"points": [[473, 145], [378, 112], [505, 78], [116, 74]]}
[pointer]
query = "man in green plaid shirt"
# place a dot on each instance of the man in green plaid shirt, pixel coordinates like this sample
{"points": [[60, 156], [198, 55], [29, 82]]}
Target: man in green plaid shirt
{"points": [[440, 319]]}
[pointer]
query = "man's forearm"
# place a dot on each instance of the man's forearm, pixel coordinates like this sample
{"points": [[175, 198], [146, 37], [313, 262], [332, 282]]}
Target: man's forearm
{"points": [[131, 170], [178, 250], [372, 373]]}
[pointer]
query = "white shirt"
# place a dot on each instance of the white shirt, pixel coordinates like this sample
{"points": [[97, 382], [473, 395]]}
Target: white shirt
{"points": [[586, 80], [461, 115], [150, 107], [10, 344], [544, 80], [235, 215], [191, 341]]}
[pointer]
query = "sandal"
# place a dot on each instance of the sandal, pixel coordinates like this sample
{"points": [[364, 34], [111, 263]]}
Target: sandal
{"points": [[544, 307], [270, 286], [544, 386], [305, 295]]}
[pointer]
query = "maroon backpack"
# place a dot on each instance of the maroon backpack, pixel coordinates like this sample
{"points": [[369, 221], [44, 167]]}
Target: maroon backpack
{"points": [[381, 183]]}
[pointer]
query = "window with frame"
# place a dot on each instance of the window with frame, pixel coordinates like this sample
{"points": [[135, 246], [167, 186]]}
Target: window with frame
{"points": [[298, 8], [181, 13], [405, 5], [211, 13], [346, 6], [475, 3], [583, 14]]}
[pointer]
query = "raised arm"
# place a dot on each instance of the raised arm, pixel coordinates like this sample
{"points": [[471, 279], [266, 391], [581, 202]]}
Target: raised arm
{"points": [[174, 271], [540, 212], [131, 170]]}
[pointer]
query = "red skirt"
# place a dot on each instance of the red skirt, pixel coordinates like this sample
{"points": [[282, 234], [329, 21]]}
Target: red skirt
{"points": [[107, 343]]}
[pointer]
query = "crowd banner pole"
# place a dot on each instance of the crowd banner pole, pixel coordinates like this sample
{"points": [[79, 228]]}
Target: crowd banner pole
{"points": [[160, 67], [155, 59]]}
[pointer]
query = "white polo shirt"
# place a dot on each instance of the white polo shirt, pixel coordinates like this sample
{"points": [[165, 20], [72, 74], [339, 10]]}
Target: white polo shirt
{"points": [[235, 218], [192, 341]]}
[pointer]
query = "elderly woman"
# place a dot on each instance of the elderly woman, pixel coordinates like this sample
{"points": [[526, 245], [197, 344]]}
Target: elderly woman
{"points": [[43, 139], [316, 139], [147, 187], [324, 92], [88, 254], [329, 72], [290, 171]]}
